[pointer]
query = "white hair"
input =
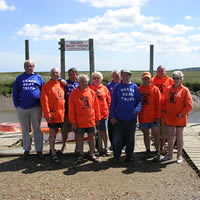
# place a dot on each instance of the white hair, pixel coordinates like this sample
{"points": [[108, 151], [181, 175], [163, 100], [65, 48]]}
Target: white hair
{"points": [[178, 74], [82, 76]]}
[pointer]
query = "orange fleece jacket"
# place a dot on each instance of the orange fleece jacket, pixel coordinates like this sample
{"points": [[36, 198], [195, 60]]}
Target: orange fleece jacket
{"points": [[178, 100], [104, 99], [83, 108], [151, 104], [162, 84], [53, 101]]}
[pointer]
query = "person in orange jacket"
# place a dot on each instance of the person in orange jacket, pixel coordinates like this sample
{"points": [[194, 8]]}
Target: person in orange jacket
{"points": [[177, 106], [162, 81], [150, 114], [104, 100], [53, 106], [84, 115]]}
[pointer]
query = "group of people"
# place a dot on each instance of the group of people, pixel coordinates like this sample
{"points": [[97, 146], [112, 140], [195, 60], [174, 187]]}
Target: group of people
{"points": [[161, 104]]}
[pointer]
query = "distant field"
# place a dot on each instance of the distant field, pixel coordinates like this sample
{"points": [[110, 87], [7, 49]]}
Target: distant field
{"points": [[191, 79]]}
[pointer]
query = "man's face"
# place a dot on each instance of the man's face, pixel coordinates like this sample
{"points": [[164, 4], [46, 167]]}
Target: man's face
{"points": [[126, 77], [55, 74], [83, 83], [161, 72], [72, 76], [116, 77], [146, 81], [29, 67]]}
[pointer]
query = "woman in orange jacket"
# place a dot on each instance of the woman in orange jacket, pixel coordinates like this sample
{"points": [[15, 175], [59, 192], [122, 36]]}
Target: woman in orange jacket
{"points": [[53, 106], [150, 114], [177, 106], [104, 100]]}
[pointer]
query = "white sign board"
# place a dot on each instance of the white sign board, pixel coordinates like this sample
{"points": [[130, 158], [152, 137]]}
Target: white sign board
{"points": [[77, 45]]}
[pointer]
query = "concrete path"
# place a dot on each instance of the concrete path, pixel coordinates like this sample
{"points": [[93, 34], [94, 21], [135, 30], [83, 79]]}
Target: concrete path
{"points": [[10, 144]]}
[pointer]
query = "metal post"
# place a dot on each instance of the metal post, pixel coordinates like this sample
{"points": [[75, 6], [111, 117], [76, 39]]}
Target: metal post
{"points": [[151, 58], [26, 49], [91, 57], [62, 57]]}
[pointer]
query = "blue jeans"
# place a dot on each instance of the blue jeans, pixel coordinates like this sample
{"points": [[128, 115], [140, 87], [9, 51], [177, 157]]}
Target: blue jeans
{"points": [[124, 133]]}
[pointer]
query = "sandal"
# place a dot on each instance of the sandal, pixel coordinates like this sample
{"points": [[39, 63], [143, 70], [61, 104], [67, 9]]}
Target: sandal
{"points": [[93, 158], [55, 159]]}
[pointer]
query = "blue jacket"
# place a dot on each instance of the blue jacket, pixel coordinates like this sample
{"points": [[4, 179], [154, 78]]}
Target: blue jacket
{"points": [[26, 90], [68, 89], [111, 86], [125, 102]]}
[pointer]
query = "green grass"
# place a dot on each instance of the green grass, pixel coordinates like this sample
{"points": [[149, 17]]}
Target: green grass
{"points": [[191, 79]]}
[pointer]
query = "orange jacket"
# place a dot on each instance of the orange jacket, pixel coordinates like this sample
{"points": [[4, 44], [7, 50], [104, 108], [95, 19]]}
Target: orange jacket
{"points": [[162, 84], [178, 100], [104, 99], [83, 108], [151, 104], [53, 101]]}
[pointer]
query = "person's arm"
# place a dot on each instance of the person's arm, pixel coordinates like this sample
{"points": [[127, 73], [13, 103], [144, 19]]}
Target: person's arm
{"points": [[16, 91], [188, 103], [138, 101]]}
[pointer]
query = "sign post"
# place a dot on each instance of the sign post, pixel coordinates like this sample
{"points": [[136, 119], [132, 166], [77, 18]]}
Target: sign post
{"points": [[77, 45], [151, 59]]}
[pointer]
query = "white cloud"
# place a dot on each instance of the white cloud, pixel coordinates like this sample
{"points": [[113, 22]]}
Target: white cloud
{"points": [[158, 28], [188, 17], [114, 3], [4, 6]]}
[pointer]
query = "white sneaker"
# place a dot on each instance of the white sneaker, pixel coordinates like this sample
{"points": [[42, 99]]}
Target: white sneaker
{"points": [[165, 158], [179, 160]]}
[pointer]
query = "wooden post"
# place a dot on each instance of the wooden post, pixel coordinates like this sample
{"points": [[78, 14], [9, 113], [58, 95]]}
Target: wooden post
{"points": [[62, 57], [151, 59], [27, 50], [91, 57]]}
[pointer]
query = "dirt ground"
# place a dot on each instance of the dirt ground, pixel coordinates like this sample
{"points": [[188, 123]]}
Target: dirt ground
{"points": [[141, 179]]}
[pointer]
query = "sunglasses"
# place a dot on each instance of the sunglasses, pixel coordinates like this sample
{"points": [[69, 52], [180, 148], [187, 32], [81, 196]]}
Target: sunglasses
{"points": [[176, 78]]}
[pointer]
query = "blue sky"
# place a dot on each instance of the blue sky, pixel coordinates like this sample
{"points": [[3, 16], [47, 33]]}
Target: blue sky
{"points": [[122, 31]]}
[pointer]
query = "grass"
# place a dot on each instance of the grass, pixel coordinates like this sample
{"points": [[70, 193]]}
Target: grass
{"points": [[191, 79]]}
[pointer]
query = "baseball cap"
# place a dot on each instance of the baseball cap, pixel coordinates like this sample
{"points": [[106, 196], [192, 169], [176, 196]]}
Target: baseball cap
{"points": [[146, 74], [126, 71]]}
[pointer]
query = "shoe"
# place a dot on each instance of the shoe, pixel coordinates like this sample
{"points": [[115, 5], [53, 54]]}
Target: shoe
{"points": [[129, 159], [105, 152], [55, 159], [116, 161], [25, 156], [156, 158], [80, 160], [40, 155], [148, 153], [179, 160], [163, 152], [93, 158], [59, 153], [165, 158], [111, 148]]}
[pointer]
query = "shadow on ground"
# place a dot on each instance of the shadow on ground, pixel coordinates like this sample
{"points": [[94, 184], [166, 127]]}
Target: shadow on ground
{"points": [[141, 164]]}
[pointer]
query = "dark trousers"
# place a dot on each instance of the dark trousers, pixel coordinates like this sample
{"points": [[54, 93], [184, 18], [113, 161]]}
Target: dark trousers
{"points": [[124, 132], [110, 132]]}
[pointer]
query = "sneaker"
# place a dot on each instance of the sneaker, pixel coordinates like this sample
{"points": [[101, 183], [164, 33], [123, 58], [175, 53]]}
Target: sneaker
{"points": [[59, 153], [165, 158], [93, 158], [40, 155], [25, 156], [55, 159], [157, 157], [179, 160]]}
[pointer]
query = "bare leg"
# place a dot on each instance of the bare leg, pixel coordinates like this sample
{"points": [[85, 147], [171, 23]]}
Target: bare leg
{"points": [[91, 141], [52, 138], [179, 137], [104, 137], [79, 143], [146, 138], [170, 139], [64, 139], [156, 135]]}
